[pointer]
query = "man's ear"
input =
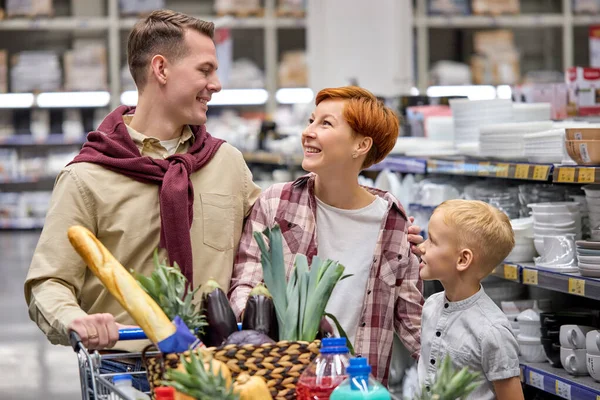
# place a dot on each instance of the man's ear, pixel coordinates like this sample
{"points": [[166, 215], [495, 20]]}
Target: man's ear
{"points": [[465, 259], [159, 68]]}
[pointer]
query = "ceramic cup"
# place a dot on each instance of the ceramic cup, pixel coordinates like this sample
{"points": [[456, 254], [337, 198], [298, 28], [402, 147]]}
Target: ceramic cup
{"points": [[574, 361], [574, 336], [592, 342], [593, 366]]}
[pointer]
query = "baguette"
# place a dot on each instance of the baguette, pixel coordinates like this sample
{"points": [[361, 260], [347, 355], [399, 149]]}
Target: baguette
{"points": [[115, 278]]}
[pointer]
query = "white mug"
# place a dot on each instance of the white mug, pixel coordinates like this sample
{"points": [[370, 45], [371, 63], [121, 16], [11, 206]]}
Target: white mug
{"points": [[593, 366], [574, 336], [592, 342], [574, 361]]}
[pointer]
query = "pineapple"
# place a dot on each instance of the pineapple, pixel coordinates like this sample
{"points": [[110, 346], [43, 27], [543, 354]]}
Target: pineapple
{"points": [[450, 384], [201, 380], [169, 288]]}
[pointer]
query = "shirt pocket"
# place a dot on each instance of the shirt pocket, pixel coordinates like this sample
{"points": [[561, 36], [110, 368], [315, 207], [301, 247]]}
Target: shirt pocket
{"points": [[463, 358], [217, 220], [292, 233]]}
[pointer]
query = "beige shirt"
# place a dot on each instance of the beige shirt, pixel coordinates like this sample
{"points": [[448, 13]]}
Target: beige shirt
{"points": [[125, 215]]}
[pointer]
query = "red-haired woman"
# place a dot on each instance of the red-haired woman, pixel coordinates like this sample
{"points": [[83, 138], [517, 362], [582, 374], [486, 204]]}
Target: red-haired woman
{"points": [[328, 213]]}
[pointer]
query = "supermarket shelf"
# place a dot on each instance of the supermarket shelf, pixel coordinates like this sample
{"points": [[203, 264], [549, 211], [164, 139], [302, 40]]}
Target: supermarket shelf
{"points": [[406, 165], [576, 174], [56, 139], [55, 24], [483, 21], [21, 223], [583, 20], [234, 23], [26, 180], [491, 169], [558, 382]]}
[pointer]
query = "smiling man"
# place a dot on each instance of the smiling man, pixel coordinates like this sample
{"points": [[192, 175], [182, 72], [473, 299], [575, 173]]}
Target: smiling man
{"points": [[149, 177]]}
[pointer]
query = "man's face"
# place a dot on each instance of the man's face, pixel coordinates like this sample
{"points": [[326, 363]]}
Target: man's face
{"points": [[192, 80]]}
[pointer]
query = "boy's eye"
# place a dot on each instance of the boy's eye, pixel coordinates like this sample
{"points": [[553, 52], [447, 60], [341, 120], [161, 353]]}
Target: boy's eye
{"points": [[310, 121]]}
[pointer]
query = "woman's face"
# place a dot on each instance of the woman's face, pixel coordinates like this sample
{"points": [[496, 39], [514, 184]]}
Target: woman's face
{"points": [[328, 141]]}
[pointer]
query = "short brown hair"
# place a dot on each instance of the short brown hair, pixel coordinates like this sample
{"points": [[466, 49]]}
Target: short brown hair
{"points": [[481, 227], [367, 116], [161, 32]]}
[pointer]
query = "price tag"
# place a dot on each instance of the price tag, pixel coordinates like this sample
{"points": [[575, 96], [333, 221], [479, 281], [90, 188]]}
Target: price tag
{"points": [[511, 272], [566, 174], [536, 380], [530, 276], [432, 165], [577, 286], [502, 170], [484, 168], [563, 390], [586, 175], [540, 172], [522, 171], [458, 167]]}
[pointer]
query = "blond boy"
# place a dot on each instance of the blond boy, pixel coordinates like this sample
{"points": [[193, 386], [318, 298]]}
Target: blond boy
{"points": [[467, 240]]}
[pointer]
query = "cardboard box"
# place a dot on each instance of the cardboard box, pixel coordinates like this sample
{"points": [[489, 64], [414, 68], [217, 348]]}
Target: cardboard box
{"points": [[3, 71], [29, 8], [583, 91], [495, 7], [86, 68]]}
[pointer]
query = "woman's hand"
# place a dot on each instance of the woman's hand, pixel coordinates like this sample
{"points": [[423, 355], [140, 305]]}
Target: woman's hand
{"points": [[414, 237]]}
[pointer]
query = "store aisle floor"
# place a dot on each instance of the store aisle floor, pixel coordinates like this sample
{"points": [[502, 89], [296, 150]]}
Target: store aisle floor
{"points": [[31, 367]]}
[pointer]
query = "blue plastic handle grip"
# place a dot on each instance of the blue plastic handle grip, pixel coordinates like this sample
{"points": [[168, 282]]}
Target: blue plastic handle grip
{"points": [[131, 334], [137, 333]]}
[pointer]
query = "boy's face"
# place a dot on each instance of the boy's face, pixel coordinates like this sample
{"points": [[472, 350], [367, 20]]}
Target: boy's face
{"points": [[440, 251], [193, 80]]}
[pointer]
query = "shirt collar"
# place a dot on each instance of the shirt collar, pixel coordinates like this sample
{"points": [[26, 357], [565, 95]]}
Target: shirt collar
{"points": [[139, 138], [463, 304]]}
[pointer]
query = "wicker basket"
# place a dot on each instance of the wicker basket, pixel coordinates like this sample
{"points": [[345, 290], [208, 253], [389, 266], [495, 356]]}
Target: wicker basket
{"points": [[281, 363]]}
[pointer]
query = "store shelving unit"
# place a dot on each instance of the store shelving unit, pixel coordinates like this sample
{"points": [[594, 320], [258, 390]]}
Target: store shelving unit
{"points": [[558, 382], [565, 20]]}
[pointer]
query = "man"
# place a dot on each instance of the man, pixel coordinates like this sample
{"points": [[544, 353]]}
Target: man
{"points": [[150, 177]]}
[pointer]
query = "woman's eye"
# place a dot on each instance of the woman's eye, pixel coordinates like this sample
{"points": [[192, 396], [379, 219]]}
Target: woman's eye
{"points": [[326, 123]]}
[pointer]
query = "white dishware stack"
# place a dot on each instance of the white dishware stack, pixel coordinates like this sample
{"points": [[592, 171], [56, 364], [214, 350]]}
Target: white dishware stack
{"points": [[592, 198], [529, 337], [584, 211], [524, 250], [592, 345], [507, 140], [470, 115], [546, 147], [556, 226], [530, 112], [588, 258], [573, 349]]}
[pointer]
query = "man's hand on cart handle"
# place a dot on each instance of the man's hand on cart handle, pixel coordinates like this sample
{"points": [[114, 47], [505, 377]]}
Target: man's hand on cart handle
{"points": [[97, 331]]}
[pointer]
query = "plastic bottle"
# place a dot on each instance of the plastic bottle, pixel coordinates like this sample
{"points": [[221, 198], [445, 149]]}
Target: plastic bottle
{"points": [[326, 372], [124, 383], [164, 393], [360, 384]]}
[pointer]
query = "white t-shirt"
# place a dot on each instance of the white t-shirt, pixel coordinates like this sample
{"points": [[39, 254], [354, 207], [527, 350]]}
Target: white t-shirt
{"points": [[350, 237], [171, 145]]}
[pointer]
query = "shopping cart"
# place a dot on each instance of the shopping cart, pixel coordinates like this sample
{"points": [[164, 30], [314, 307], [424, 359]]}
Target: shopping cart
{"points": [[95, 385]]}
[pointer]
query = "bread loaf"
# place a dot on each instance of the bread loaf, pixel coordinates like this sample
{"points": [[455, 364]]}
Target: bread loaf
{"points": [[142, 308]]}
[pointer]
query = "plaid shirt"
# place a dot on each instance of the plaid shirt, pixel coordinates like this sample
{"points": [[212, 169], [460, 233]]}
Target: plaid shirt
{"points": [[393, 298]]}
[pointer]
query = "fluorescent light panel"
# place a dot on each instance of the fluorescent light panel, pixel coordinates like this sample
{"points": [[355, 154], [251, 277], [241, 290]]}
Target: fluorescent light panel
{"points": [[225, 97], [16, 100], [475, 92], [294, 96], [73, 99]]}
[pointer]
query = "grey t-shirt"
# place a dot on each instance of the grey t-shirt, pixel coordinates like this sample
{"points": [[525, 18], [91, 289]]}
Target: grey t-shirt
{"points": [[475, 333]]}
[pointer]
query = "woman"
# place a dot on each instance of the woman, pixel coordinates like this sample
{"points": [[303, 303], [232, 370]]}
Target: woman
{"points": [[365, 229]]}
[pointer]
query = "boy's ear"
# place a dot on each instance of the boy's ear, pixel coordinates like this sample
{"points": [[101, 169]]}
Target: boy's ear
{"points": [[465, 259]]}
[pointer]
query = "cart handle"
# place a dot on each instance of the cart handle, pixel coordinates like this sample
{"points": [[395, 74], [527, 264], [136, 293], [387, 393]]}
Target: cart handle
{"points": [[124, 334]]}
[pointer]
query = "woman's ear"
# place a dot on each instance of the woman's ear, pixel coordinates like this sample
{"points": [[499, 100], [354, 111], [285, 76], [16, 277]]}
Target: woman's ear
{"points": [[363, 145], [159, 68], [465, 259]]}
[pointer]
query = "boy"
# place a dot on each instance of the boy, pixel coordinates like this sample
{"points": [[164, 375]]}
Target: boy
{"points": [[467, 240]]}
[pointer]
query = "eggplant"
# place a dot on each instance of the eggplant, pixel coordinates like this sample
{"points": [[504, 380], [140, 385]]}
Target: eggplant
{"points": [[259, 314], [248, 337], [219, 315]]}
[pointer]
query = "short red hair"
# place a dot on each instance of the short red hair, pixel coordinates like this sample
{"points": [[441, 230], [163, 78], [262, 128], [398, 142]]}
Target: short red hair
{"points": [[367, 116]]}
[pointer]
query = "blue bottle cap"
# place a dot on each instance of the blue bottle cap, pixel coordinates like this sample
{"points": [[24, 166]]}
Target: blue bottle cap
{"points": [[334, 346], [122, 377], [358, 366]]}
